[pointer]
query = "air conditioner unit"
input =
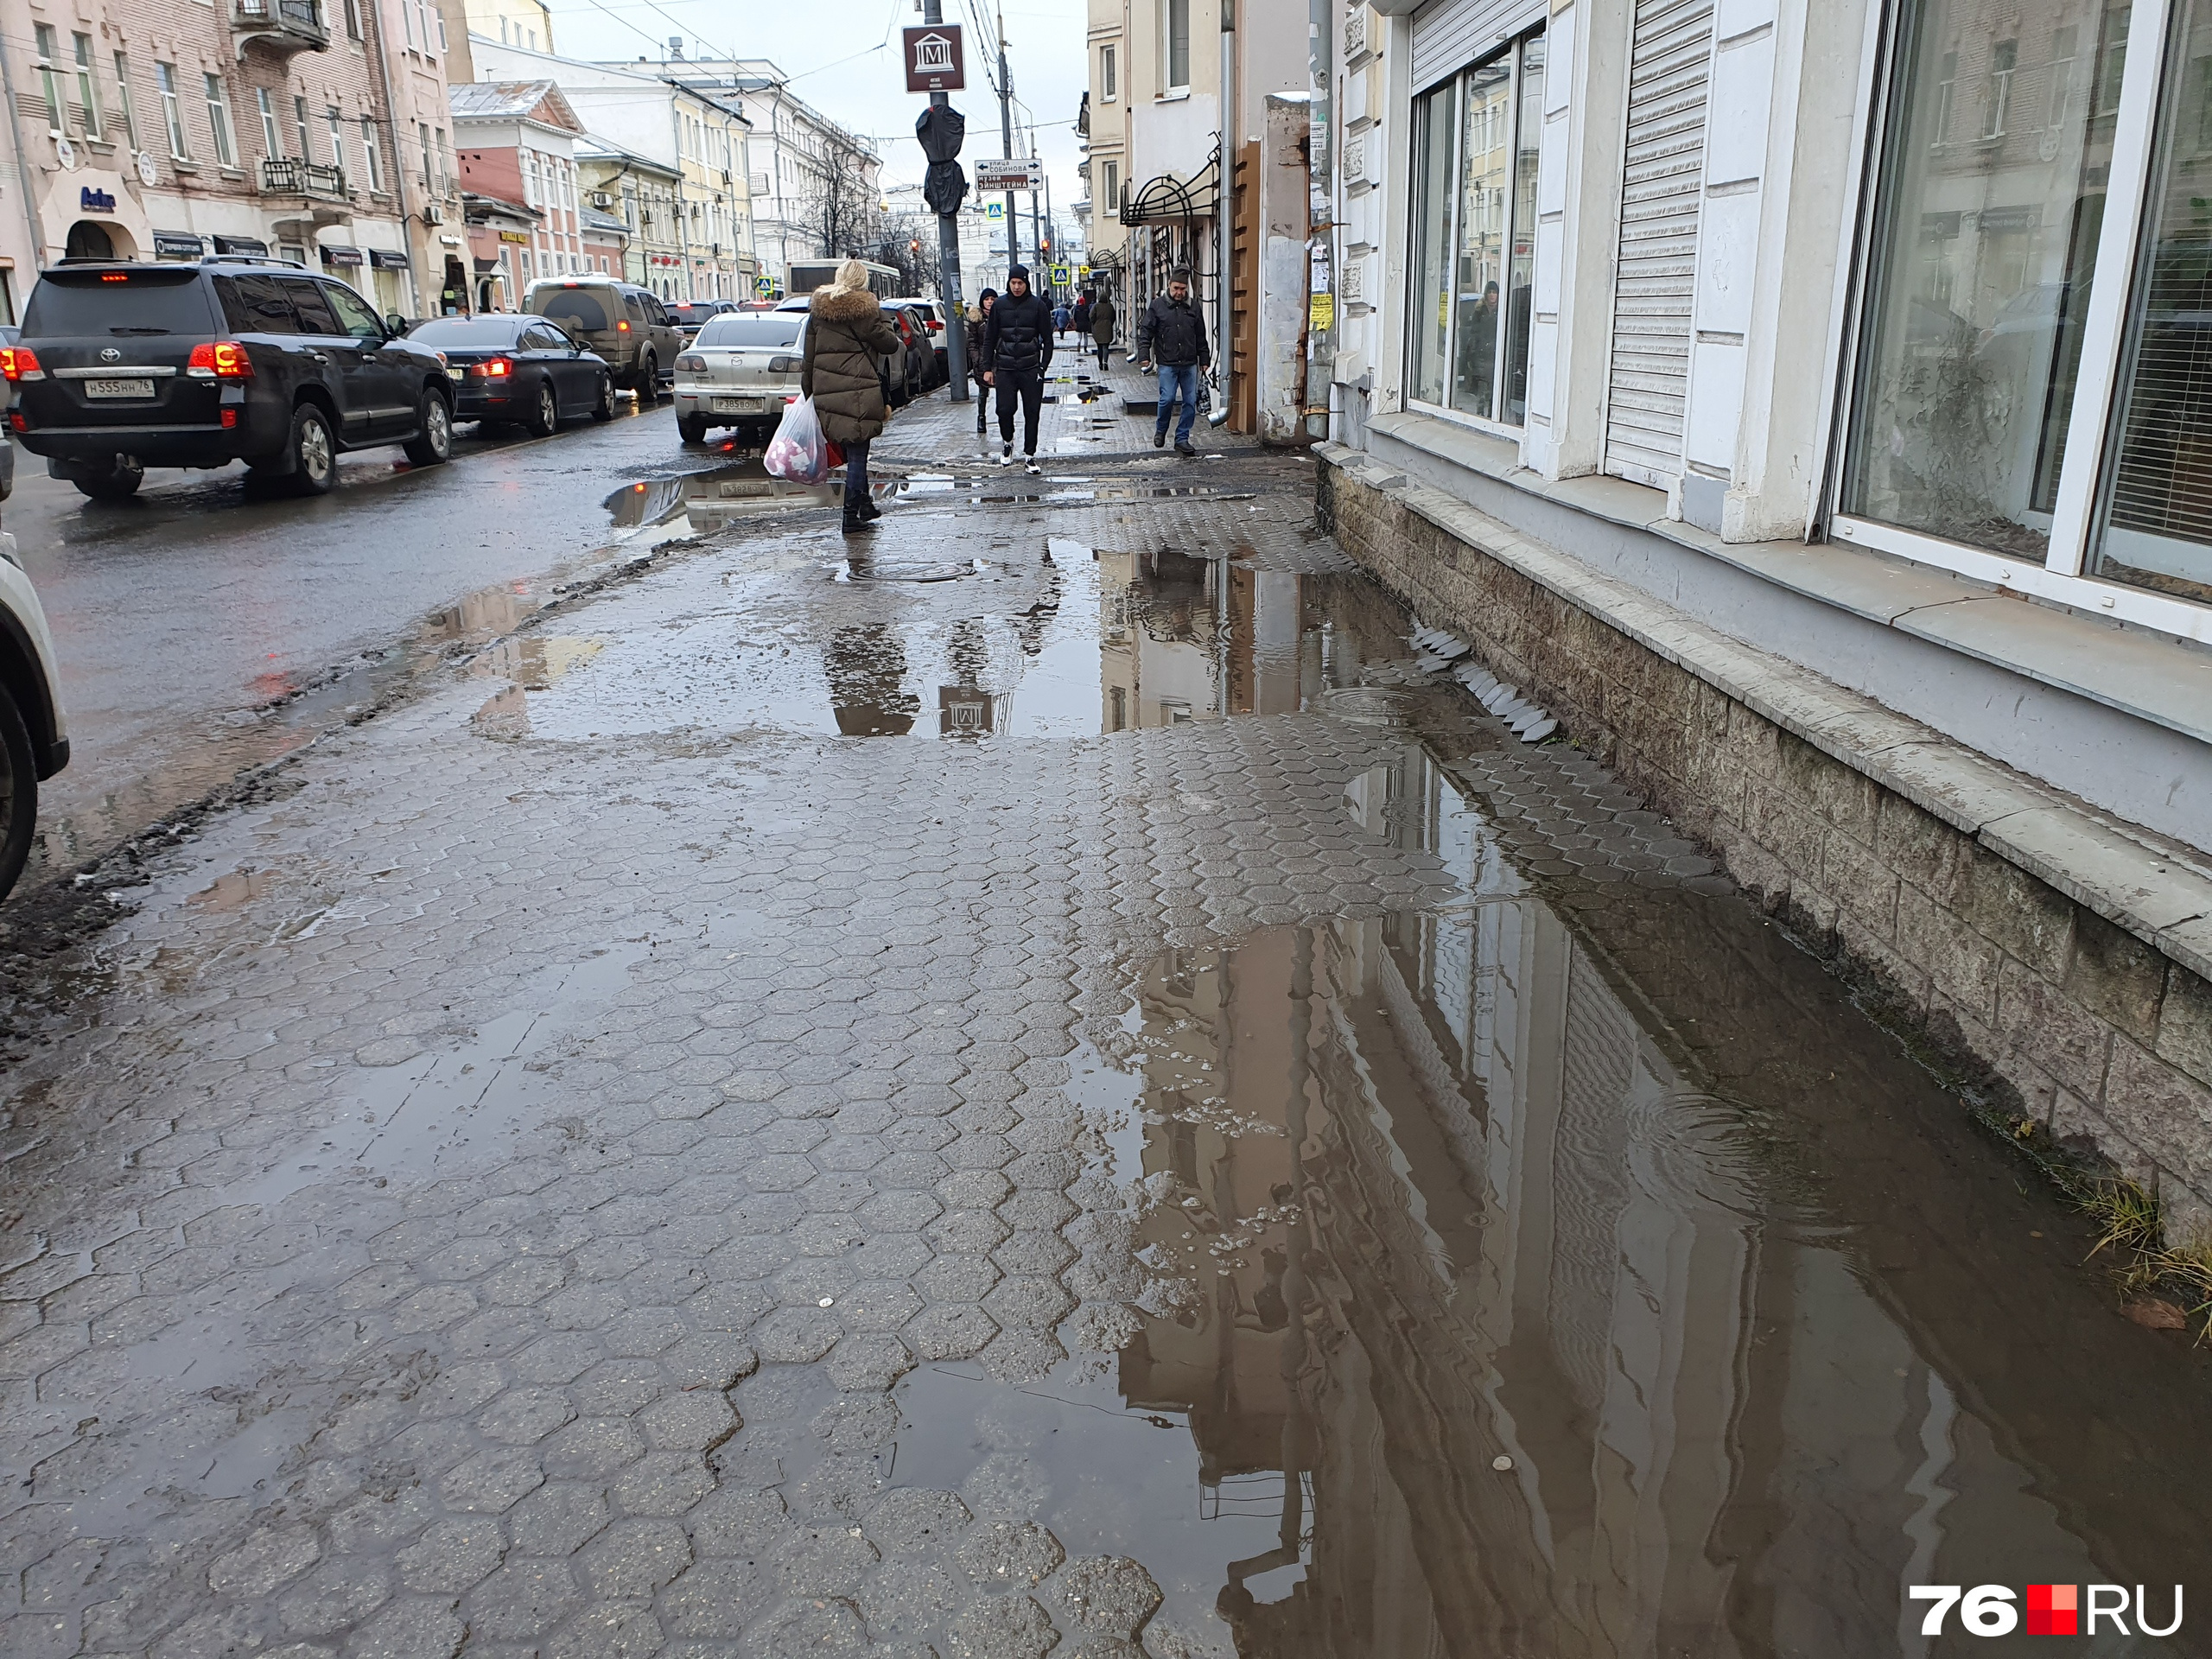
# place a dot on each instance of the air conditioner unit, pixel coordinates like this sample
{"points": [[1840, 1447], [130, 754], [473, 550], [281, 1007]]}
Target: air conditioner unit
{"points": [[432, 213], [600, 199]]}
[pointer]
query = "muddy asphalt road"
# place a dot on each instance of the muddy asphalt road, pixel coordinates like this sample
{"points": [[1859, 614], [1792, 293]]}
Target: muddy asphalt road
{"points": [[1047, 1084], [190, 621]]}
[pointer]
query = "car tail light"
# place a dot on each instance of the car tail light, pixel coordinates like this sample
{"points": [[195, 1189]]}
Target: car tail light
{"points": [[20, 420], [692, 363], [782, 365], [623, 327], [230, 419], [497, 369], [219, 359], [20, 363]]}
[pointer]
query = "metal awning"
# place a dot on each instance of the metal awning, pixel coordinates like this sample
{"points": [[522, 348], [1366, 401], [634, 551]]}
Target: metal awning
{"points": [[388, 259], [240, 244], [178, 244], [336, 254]]}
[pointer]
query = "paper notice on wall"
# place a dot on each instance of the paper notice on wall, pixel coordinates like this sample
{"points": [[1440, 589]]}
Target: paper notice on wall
{"points": [[1321, 311]]}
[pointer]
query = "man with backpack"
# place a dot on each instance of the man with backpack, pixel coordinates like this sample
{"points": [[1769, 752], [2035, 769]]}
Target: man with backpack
{"points": [[1173, 336]]}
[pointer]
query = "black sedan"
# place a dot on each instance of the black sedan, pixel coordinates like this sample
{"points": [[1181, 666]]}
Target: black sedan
{"points": [[518, 368]]}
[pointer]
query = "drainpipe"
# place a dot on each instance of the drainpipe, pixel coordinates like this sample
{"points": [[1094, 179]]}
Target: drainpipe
{"points": [[1224, 215], [399, 166], [22, 165]]}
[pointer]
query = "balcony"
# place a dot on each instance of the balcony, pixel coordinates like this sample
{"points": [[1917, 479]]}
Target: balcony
{"points": [[284, 176], [281, 27]]}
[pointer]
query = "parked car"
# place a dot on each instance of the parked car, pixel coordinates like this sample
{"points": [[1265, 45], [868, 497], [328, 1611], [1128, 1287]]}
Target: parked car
{"points": [[33, 736], [624, 324], [739, 372], [691, 315], [124, 365], [933, 315], [521, 369]]}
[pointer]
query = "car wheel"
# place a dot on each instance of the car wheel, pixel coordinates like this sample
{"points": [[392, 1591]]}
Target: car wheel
{"points": [[604, 409], [18, 792], [692, 428], [315, 452], [545, 415], [118, 483], [648, 379], [432, 440]]}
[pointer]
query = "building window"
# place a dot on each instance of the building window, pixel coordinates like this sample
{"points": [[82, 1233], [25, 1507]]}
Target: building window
{"points": [[88, 96], [1986, 423], [172, 110], [371, 154], [353, 19], [300, 126], [272, 140], [1474, 231], [1108, 74], [337, 126], [1175, 51], [49, 78], [122, 100], [219, 122], [1111, 172]]}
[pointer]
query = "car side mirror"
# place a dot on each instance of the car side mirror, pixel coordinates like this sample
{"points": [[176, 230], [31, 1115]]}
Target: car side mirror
{"points": [[394, 324]]}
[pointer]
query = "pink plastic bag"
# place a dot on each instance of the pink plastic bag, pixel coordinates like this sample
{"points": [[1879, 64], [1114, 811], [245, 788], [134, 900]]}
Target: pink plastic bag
{"points": [[798, 454]]}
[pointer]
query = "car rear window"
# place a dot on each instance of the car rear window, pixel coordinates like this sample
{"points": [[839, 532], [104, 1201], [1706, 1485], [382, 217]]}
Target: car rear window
{"points": [[466, 333], [574, 306], [118, 302], [772, 329]]}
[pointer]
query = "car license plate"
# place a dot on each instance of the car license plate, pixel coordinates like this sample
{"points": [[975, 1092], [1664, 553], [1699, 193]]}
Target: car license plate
{"points": [[118, 388], [735, 406]]}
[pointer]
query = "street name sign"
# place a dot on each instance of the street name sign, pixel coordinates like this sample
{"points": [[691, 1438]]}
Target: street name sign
{"points": [[1024, 173]]}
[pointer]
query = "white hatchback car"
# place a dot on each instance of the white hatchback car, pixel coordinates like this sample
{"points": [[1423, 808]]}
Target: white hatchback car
{"points": [[739, 372], [33, 736]]}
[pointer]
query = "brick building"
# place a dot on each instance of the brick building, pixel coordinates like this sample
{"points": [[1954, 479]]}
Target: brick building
{"points": [[310, 128], [516, 140]]}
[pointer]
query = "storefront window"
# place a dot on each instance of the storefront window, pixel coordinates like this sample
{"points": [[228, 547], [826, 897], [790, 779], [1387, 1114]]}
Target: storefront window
{"points": [[2155, 518], [1474, 234], [1992, 196]]}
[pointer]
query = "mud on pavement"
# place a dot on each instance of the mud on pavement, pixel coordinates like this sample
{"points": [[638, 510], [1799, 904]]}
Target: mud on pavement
{"points": [[1052, 1083]]}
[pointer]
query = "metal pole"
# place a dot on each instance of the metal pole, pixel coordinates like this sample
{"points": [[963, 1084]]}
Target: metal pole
{"points": [[947, 265], [1036, 237], [1005, 138]]}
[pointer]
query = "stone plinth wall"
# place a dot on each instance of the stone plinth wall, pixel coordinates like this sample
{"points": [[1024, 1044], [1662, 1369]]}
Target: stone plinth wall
{"points": [[2051, 953]]}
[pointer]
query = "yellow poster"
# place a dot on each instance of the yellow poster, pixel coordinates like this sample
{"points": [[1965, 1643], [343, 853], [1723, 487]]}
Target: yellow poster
{"points": [[1322, 313]]}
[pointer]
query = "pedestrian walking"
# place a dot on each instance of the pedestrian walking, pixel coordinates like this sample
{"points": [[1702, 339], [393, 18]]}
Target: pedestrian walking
{"points": [[847, 335], [1079, 319], [977, 369], [1059, 322], [1172, 336], [1101, 328], [1018, 346]]}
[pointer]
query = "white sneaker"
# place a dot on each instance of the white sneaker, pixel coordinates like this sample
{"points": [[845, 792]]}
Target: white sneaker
{"points": [[1032, 466], [1006, 460]]}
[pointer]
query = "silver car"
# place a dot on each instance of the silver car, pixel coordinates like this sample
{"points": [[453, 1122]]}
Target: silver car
{"points": [[739, 372]]}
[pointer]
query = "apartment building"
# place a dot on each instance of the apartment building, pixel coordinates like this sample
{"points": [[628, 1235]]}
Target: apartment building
{"points": [[516, 142], [642, 194], [282, 126], [702, 132], [1823, 379]]}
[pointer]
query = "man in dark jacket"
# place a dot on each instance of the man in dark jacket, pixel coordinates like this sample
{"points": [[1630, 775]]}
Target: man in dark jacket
{"points": [[1018, 349], [1173, 336]]}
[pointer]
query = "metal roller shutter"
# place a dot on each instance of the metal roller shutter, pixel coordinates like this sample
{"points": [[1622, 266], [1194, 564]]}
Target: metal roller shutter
{"points": [[1655, 286], [1450, 35]]}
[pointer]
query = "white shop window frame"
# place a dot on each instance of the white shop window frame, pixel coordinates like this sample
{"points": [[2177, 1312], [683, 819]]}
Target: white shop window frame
{"points": [[2060, 579], [1509, 49]]}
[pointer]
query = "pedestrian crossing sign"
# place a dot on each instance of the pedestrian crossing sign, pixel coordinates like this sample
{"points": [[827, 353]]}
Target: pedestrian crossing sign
{"points": [[994, 212], [1060, 274]]}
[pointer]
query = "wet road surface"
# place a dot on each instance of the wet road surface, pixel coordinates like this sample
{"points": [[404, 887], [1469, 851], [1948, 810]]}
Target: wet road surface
{"points": [[1055, 1085]]}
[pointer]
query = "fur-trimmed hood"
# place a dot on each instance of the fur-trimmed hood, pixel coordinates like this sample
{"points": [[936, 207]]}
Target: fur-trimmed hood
{"points": [[845, 304]]}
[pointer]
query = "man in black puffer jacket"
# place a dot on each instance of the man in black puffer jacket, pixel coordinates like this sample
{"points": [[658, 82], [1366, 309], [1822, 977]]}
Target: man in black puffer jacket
{"points": [[1017, 350], [1173, 336]]}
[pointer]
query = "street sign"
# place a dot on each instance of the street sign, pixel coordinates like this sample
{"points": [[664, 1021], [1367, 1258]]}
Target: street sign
{"points": [[935, 62], [1026, 174], [764, 286], [1060, 274], [994, 211], [1083, 273]]}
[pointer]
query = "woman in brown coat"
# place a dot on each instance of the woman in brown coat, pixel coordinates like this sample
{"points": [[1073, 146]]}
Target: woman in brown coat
{"points": [[847, 334]]}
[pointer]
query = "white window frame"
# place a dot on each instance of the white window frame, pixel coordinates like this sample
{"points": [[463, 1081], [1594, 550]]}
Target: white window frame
{"points": [[88, 91], [172, 110], [2060, 578], [272, 134], [49, 77], [219, 125], [1109, 73], [1169, 86], [123, 99], [1510, 51], [371, 154]]}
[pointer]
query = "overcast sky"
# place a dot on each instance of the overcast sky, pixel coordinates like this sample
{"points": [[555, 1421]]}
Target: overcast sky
{"points": [[844, 60]]}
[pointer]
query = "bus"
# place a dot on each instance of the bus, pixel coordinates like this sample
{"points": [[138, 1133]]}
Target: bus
{"points": [[807, 274]]}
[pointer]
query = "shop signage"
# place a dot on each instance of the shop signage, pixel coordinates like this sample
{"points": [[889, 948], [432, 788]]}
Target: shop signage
{"points": [[335, 255], [90, 200], [522, 237], [935, 62], [175, 244], [240, 244], [388, 259]]}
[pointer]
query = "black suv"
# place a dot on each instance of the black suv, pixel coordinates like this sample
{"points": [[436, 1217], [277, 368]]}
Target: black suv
{"points": [[122, 366]]}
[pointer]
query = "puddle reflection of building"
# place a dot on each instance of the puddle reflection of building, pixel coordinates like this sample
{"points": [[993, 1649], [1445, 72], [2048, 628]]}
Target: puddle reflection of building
{"points": [[866, 667], [1436, 1219], [1184, 639]]}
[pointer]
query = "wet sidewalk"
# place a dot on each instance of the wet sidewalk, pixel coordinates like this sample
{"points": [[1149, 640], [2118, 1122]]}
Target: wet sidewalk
{"points": [[1047, 1080]]}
